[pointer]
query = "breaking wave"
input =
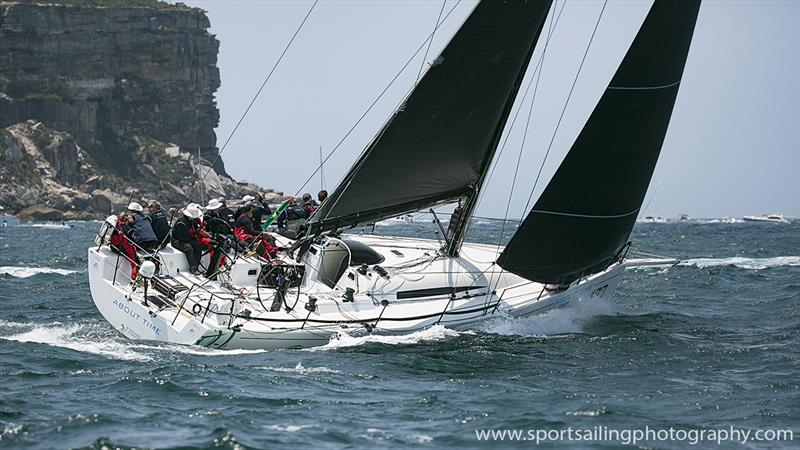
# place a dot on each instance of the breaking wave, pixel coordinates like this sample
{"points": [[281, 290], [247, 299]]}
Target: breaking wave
{"points": [[25, 272], [94, 339], [302, 370], [569, 319], [344, 340], [69, 336]]}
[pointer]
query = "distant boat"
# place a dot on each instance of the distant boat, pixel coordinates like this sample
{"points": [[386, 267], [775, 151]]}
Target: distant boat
{"points": [[655, 219], [767, 218], [683, 217], [408, 218]]}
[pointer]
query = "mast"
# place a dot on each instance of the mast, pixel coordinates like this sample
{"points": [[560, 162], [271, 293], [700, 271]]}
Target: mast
{"points": [[471, 200]]}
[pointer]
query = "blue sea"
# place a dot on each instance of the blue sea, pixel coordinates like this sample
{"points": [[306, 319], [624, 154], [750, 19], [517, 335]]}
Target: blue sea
{"points": [[712, 343]]}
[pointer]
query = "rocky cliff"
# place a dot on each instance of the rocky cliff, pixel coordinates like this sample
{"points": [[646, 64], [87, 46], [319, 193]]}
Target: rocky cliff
{"points": [[98, 97]]}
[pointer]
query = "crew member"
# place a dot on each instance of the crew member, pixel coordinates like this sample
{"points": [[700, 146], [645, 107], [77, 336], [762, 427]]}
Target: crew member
{"points": [[245, 231], [213, 219], [309, 204], [188, 236], [322, 195], [139, 229], [159, 222], [226, 213], [261, 210], [121, 244], [291, 219]]}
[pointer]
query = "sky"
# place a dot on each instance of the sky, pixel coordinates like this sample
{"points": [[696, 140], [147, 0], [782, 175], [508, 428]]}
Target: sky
{"points": [[732, 149]]}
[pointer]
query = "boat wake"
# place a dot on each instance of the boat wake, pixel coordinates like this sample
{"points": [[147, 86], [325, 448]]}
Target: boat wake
{"points": [[743, 263], [25, 272], [73, 337], [94, 339], [344, 340], [567, 320], [736, 261]]}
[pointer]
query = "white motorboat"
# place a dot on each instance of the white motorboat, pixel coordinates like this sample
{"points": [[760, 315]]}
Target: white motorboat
{"points": [[767, 218], [654, 219], [408, 218], [572, 246]]}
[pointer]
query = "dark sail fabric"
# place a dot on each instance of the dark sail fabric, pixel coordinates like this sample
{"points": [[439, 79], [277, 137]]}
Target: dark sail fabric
{"points": [[586, 213], [441, 140]]}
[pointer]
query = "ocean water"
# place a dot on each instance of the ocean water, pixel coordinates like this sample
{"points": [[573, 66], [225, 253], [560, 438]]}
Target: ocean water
{"points": [[711, 343]]}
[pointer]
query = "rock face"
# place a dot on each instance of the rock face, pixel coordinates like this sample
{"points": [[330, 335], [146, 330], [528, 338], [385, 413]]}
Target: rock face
{"points": [[98, 97]]}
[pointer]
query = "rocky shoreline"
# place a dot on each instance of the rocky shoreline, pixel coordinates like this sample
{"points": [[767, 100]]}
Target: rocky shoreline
{"points": [[102, 101]]}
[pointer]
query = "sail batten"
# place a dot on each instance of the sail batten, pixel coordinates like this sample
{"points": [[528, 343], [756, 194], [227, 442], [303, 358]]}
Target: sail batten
{"points": [[437, 145], [588, 216], [585, 215]]}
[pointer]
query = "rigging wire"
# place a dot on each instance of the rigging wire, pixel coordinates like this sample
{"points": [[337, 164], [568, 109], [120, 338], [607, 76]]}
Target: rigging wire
{"points": [[402, 69], [516, 114], [555, 131], [564, 109], [525, 133], [255, 97], [430, 41], [522, 144]]}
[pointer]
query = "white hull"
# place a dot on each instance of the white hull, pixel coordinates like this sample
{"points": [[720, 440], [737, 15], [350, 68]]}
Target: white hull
{"points": [[213, 313], [770, 218]]}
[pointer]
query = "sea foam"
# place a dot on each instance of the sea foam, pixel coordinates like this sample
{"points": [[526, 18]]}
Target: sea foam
{"points": [[569, 319], [68, 336], [25, 272], [743, 263], [343, 340]]}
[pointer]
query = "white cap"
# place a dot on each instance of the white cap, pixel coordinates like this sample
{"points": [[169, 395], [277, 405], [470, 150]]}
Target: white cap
{"points": [[193, 211], [213, 204], [248, 198], [133, 206]]}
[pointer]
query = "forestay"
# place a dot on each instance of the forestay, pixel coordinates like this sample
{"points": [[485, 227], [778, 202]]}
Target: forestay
{"points": [[585, 215]]}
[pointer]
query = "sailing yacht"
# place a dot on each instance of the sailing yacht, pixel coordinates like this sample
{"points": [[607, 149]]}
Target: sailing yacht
{"points": [[572, 246]]}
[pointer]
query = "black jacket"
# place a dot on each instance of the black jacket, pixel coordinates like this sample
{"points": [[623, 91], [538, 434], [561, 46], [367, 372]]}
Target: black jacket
{"points": [[245, 222], [227, 214], [140, 230], [180, 231], [160, 224]]}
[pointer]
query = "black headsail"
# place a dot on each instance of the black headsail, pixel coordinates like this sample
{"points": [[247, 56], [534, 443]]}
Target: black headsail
{"points": [[437, 147], [585, 215]]}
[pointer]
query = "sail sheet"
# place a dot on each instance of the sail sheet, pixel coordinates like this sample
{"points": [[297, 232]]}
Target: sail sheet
{"points": [[585, 215], [437, 145]]}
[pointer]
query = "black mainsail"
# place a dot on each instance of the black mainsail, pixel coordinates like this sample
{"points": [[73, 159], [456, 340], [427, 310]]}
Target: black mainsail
{"points": [[438, 145], [585, 215]]}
